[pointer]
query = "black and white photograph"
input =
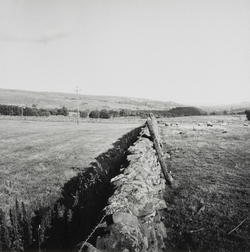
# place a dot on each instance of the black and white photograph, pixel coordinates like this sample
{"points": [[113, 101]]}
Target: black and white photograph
{"points": [[124, 125]]}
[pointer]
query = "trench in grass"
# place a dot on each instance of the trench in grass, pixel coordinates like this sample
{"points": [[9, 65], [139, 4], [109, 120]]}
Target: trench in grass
{"points": [[71, 219]]}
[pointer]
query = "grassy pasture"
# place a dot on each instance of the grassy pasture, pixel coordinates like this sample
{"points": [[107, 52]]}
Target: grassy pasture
{"points": [[37, 157], [211, 166]]}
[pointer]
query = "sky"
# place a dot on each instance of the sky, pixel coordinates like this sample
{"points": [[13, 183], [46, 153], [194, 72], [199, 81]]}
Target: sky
{"points": [[185, 51]]}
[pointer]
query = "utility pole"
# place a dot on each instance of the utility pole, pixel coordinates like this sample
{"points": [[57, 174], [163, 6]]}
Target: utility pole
{"points": [[77, 103], [23, 106]]}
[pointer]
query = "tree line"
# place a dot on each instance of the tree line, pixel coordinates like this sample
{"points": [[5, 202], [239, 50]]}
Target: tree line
{"points": [[27, 111], [103, 113], [14, 110], [175, 112]]}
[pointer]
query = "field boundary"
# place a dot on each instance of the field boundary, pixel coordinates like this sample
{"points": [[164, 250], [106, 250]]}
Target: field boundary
{"points": [[58, 118], [133, 214]]}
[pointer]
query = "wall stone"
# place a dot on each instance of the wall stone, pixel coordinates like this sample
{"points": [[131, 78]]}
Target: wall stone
{"points": [[134, 208]]}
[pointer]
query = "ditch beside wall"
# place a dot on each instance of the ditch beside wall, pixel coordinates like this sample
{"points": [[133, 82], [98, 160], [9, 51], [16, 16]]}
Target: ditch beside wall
{"points": [[133, 214]]}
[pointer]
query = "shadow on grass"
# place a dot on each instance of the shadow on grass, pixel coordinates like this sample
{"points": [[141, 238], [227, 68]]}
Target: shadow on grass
{"points": [[70, 220]]}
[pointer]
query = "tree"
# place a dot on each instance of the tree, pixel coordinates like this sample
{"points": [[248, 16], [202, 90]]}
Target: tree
{"points": [[53, 111], [30, 112], [125, 112], [63, 111], [43, 112], [3, 109], [104, 114], [10, 110], [83, 114], [94, 114], [115, 113]]}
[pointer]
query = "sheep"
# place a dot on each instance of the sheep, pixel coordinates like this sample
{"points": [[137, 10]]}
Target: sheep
{"points": [[209, 124]]}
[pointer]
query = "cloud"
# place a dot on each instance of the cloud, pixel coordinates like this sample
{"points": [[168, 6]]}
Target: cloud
{"points": [[46, 38]]}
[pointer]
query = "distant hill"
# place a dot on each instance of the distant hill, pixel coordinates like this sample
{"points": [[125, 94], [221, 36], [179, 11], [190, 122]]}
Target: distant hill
{"points": [[233, 108], [58, 100]]}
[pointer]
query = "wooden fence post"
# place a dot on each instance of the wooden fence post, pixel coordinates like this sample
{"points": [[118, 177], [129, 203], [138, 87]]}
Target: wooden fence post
{"points": [[153, 129]]}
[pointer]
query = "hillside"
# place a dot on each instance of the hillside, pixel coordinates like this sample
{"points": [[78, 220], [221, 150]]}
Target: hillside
{"points": [[234, 107], [57, 100]]}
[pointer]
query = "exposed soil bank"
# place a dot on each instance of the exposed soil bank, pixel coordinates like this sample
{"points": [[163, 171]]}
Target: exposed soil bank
{"points": [[70, 220]]}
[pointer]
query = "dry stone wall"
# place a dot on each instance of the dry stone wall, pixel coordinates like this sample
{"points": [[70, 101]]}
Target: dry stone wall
{"points": [[133, 211]]}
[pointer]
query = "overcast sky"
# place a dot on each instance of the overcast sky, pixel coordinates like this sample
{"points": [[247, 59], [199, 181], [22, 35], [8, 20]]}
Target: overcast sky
{"points": [[183, 51]]}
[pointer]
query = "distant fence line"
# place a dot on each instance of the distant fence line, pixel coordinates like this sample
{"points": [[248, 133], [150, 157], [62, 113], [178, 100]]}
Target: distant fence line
{"points": [[72, 119]]}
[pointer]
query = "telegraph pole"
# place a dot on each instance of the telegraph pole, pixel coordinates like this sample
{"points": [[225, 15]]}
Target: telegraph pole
{"points": [[23, 106], [77, 103]]}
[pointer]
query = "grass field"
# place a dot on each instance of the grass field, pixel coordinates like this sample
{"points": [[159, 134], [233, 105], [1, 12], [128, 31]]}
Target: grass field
{"points": [[210, 208], [37, 158]]}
